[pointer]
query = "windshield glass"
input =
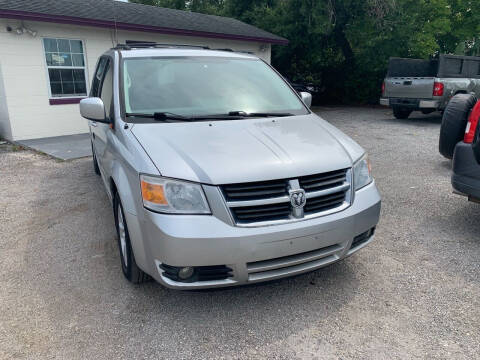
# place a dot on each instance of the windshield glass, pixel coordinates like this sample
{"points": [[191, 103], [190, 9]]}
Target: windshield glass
{"points": [[193, 86]]}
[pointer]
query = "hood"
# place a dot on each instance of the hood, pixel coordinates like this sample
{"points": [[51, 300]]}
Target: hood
{"points": [[236, 151]]}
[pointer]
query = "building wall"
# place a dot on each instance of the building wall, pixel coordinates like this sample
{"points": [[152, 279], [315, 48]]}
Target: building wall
{"points": [[25, 111]]}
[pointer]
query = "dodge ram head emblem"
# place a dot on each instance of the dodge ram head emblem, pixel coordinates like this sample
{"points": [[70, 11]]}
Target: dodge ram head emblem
{"points": [[298, 198]]}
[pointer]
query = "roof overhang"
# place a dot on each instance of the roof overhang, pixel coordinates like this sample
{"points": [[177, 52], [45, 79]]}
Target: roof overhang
{"points": [[71, 20]]}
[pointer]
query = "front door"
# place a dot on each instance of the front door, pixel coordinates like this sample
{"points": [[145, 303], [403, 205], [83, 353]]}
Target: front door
{"points": [[103, 88]]}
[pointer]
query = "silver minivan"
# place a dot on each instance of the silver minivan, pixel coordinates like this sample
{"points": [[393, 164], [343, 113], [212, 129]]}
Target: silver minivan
{"points": [[219, 173]]}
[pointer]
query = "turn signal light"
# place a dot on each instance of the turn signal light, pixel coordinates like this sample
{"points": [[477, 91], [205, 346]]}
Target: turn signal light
{"points": [[153, 193], [472, 124]]}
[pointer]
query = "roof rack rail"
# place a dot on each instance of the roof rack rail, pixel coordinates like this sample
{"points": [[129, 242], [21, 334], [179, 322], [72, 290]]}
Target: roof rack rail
{"points": [[149, 45]]}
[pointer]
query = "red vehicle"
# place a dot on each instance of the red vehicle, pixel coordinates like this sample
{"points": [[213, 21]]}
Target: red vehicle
{"points": [[460, 141]]}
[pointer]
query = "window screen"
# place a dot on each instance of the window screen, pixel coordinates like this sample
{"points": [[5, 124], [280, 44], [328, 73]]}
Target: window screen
{"points": [[66, 67]]}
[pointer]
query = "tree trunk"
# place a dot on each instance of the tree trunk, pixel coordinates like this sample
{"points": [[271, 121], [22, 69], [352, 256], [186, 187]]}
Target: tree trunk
{"points": [[342, 41]]}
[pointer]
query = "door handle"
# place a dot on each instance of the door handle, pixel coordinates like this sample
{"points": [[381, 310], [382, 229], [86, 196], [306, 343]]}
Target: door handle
{"points": [[93, 123]]}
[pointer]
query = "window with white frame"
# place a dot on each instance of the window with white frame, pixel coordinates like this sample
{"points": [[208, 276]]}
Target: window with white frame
{"points": [[66, 67]]}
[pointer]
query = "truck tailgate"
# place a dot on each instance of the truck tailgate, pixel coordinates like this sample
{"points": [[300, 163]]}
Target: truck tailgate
{"points": [[409, 87]]}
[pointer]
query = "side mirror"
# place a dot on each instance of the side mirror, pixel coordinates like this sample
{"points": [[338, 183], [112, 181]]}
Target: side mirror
{"points": [[307, 98], [93, 109]]}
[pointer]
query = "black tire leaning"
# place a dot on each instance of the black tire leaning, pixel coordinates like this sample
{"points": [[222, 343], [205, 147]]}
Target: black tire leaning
{"points": [[454, 121], [130, 269], [401, 113], [95, 162]]}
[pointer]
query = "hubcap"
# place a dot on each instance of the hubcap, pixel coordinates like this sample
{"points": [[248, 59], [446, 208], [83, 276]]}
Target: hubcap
{"points": [[122, 235]]}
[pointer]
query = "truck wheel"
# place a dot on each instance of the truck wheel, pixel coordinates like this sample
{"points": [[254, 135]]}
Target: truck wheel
{"points": [[129, 267], [95, 162], [401, 113], [454, 121]]}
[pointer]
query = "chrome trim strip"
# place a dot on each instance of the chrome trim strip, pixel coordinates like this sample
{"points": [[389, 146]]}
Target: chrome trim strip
{"points": [[329, 191], [269, 201], [292, 270], [328, 182], [292, 260]]}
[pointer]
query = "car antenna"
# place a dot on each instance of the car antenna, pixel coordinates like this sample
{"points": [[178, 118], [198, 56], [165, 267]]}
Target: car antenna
{"points": [[115, 21]]}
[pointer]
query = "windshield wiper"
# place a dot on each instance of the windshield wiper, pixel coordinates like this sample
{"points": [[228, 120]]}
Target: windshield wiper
{"points": [[232, 115], [258, 114], [164, 116], [160, 116]]}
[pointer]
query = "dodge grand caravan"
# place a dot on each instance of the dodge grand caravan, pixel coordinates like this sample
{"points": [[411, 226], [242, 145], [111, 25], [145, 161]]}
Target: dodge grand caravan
{"points": [[219, 173]]}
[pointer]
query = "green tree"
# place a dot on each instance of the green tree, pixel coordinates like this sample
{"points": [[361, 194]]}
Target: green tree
{"points": [[344, 45]]}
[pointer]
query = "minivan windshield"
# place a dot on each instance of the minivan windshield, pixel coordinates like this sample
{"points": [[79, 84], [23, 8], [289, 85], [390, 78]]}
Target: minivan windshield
{"points": [[201, 86]]}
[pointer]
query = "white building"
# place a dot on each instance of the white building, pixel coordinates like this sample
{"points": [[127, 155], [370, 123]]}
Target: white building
{"points": [[48, 51]]}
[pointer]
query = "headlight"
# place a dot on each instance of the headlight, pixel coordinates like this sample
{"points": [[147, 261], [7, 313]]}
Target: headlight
{"points": [[362, 175], [173, 196]]}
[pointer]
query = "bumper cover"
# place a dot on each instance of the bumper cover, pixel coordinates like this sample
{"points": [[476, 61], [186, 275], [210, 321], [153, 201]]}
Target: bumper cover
{"points": [[256, 254], [466, 171], [410, 103]]}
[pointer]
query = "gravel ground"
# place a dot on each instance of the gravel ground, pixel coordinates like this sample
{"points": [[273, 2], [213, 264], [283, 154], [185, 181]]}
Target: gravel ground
{"points": [[413, 293]]}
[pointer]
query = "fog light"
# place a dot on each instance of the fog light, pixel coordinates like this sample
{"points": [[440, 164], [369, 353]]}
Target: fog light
{"points": [[186, 272]]}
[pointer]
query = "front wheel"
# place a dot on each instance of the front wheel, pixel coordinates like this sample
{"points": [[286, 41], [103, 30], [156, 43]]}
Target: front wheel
{"points": [[129, 267], [401, 113]]}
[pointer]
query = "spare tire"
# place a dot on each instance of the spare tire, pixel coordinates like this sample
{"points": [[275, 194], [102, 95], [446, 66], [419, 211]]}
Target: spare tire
{"points": [[454, 122], [476, 144]]}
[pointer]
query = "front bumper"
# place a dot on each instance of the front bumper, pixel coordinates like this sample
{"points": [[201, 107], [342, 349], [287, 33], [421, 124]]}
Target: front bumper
{"points": [[411, 103], [466, 171], [256, 254]]}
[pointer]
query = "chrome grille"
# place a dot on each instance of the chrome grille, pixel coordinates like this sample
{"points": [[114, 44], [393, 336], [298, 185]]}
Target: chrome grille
{"points": [[255, 190], [262, 212], [268, 202], [322, 181]]}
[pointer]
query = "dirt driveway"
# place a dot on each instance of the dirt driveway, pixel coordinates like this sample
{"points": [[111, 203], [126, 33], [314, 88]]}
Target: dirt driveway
{"points": [[413, 293]]}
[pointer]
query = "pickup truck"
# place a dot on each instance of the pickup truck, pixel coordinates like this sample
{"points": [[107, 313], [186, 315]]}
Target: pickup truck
{"points": [[428, 85]]}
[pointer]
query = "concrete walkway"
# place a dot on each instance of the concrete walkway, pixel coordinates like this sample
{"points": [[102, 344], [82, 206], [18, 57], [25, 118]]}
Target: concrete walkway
{"points": [[61, 147]]}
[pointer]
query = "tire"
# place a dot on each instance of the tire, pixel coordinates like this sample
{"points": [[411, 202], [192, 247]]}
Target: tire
{"points": [[476, 144], [454, 121], [129, 267], [95, 163], [401, 113]]}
